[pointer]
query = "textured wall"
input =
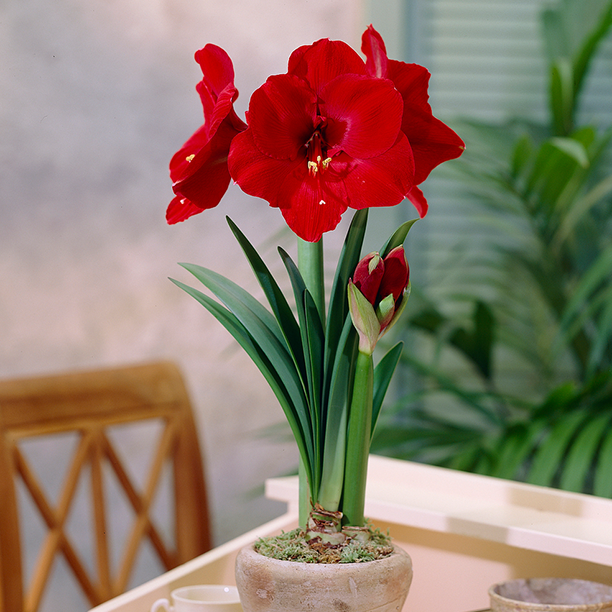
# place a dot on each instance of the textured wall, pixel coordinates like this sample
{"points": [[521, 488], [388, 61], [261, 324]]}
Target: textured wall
{"points": [[96, 95]]}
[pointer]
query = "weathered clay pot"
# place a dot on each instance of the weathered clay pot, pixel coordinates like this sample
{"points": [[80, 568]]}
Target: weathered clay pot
{"points": [[550, 595], [269, 585]]}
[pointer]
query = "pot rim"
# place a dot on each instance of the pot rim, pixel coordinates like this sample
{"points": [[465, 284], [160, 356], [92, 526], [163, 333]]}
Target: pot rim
{"points": [[553, 606], [397, 551]]}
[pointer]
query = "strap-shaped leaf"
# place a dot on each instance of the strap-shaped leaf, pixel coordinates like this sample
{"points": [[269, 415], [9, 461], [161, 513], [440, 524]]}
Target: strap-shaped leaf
{"points": [[264, 329], [315, 341], [239, 301], [383, 372], [398, 237], [338, 303], [276, 298], [310, 324], [291, 403], [336, 411]]}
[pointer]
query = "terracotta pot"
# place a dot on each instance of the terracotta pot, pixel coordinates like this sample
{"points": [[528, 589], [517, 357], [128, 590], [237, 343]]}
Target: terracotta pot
{"points": [[550, 595], [270, 585]]}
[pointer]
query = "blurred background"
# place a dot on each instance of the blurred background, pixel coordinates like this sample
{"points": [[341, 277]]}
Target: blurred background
{"points": [[97, 95]]}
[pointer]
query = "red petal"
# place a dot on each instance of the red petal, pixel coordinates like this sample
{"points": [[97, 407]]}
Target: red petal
{"points": [[256, 173], [204, 179], [281, 116], [180, 209], [415, 195], [432, 141], [216, 89], [217, 68], [383, 180], [412, 81], [323, 61], [313, 205], [215, 113], [180, 164], [374, 49], [396, 274], [368, 281], [364, 115]]}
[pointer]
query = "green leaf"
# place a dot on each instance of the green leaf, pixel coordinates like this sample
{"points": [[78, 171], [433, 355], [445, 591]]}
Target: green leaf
{"points": [[239, 301], [516, 444], [383, 373], [338, 303], [580, 208], [602, 482], [332, 472], [573, 149], [292, 404], [521, 155], [314, 341], [264, 329], [603, 338], [358, 441], [598, 273], [550, 453], [557, 401], [397, 238], [582, 452], [274, 295], [562, 96], [584, 57], [310, 323]]}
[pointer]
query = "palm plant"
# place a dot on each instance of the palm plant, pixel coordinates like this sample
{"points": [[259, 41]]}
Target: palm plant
{"points": [[540, 289]]}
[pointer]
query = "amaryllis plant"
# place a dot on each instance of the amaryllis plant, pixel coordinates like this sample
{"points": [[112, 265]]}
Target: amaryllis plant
{"points": [[334, 132]]}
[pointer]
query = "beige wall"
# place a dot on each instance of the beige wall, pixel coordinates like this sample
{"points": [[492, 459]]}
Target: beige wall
{"points": [[96, 95]]}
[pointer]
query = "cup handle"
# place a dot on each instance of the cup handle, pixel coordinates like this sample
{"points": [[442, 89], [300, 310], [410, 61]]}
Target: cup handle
{"points": [[161, 604]]}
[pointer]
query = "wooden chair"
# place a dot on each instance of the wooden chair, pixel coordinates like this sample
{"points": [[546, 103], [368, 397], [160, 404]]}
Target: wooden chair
{"points": [[90, 404]]}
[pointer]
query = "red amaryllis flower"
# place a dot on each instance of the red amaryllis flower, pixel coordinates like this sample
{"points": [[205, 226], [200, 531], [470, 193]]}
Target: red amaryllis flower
{"points": [[432, 141], [323, 137], [377, 295], [199, 169]]}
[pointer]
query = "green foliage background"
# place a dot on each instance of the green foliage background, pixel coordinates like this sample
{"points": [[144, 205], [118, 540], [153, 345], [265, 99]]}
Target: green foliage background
{"points": [[538, 293]]}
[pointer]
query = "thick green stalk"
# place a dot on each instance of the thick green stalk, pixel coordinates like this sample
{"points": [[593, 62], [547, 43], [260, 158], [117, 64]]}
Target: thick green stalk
{"points": [[358, 442], [310, 263]]}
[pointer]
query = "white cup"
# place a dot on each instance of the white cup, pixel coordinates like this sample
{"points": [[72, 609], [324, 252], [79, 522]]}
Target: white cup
{"points": [[201, 598]]}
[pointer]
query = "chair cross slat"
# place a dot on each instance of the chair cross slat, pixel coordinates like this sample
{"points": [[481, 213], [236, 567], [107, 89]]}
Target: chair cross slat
{"points": [[88, 403], [55, 519], [138, 506], [143, 520], [100, 526]]}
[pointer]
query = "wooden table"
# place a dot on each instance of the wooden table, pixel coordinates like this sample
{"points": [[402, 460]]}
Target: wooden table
{"points": [[464, 533]]}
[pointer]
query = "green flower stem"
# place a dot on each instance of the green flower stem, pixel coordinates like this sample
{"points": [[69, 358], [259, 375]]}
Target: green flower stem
{"points": [[358, 441], [310, 263], [304, 504]]}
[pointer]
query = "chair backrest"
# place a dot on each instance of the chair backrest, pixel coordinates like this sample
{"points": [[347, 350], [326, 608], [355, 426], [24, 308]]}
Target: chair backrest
{"points": [[92, 405]]}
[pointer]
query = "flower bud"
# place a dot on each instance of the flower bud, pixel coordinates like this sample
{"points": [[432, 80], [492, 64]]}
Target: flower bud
{"points": [[377, 295]]}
